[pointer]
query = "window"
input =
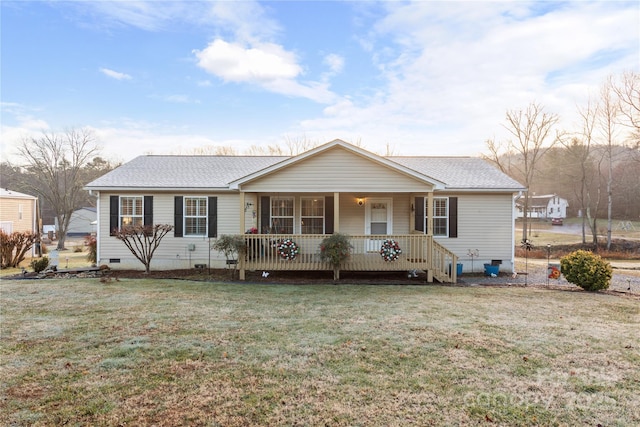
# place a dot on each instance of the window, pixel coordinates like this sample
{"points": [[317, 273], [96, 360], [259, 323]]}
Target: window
{"points": [[282, 215], [131, 212], [312, 215], [440, 216], [195, 216]]}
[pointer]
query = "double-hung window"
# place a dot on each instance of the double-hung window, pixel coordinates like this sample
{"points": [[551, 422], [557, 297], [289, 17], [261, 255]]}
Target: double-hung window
{"points": [[312, 215], [195, 216], [440, 216], [282, 215], [131, 211]]}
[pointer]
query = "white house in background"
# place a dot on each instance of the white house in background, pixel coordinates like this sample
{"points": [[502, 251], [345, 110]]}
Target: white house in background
{"points": [[436, 209], [544, 207], [18, 212], [82, 222]]}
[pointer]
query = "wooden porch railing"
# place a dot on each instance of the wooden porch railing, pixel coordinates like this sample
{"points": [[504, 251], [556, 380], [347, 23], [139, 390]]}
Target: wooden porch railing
{"points": [[419, 252]]}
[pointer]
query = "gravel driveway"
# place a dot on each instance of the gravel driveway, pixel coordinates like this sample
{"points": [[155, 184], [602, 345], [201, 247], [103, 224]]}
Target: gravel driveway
{"points": [[626, 277]]}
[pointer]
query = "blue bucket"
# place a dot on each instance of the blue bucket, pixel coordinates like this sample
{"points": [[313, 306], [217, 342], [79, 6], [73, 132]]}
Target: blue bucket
{"points": [[491, 269]]}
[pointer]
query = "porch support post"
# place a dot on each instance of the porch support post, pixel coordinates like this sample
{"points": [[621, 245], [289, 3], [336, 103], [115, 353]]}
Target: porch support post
{"points": [[429, 231], [241, 273], [430, 214], [336, 212]]}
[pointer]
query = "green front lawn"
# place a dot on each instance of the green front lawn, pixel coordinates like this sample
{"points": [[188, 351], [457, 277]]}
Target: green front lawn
{"points": [[143, 352]]}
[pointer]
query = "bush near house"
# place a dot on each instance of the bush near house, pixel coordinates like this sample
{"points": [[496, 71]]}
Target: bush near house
{"points": [[587, 270]]}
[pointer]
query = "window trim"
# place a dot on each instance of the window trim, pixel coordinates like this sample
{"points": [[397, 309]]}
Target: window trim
{"points": [[323, 217], [292, 217], [120, 206], [185, 216], [445, 217]]}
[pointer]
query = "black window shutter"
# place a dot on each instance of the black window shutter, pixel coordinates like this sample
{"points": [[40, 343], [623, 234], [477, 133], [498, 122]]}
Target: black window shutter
{"points": [[419, 213], [114, 214], [213, 217], [328, 215], [453, 217], [148, 211], [177, 216], [265, 214]]}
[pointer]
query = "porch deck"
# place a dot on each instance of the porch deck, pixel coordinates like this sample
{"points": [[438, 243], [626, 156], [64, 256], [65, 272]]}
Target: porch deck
{"points": [[419, 252]]}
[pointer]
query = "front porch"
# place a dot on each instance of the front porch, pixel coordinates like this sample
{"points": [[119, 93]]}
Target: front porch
{"points": [[419, 252]]}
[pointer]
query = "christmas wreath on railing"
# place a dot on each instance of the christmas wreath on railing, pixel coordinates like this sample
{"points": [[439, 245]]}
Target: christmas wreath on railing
{"points": [[390, 250], [287, 249]]}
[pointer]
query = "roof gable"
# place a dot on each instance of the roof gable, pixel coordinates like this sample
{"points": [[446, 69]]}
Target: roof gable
{"points": [[337, 166]]}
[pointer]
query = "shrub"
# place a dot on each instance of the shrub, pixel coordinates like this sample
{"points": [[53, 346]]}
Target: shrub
{"points": [[92, 247], [14, 246], [587, 270], [39, 264], [335, 249]]}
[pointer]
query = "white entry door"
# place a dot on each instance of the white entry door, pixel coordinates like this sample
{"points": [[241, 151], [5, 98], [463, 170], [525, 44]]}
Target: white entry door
{"points": [[379, 214]]}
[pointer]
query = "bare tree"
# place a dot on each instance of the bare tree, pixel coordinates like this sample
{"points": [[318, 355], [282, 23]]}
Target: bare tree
{"points": [[143, 240], [581, 149], [628, 95], [530, 131], [56, 161], [607, 119]]}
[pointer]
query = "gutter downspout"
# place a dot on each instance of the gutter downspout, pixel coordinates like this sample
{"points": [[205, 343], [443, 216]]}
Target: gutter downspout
{"points": [[513, 230]]}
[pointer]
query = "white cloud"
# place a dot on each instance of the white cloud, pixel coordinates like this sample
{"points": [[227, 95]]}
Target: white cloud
{"points": [[23, 125], [452, 70], [237, 63], [335, 63], [181, 99], [115, 74]]}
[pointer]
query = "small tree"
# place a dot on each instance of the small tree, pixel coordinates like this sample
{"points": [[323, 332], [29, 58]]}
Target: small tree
{"points": [[92, 248], [14, 247], [335, 249], [232, 246], [143, 240], [587, 270]]}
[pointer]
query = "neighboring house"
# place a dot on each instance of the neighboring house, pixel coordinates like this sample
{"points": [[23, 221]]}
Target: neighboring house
{"points": [[544, 207], [437, 209], [82, 222], [18, 212]]}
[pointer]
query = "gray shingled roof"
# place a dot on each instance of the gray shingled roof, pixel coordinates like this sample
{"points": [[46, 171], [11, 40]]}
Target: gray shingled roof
{"points": [[218, 171], [460, 172], [183, 171]]}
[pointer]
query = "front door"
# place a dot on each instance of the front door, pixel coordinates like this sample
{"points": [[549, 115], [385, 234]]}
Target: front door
{"points": [[378, 221]]}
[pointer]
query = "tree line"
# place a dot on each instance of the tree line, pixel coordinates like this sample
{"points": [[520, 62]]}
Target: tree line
{"points": [[596, 166]]}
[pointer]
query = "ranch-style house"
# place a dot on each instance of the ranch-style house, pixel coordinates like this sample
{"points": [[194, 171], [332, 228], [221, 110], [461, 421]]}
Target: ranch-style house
{"points": [[438, 211]]}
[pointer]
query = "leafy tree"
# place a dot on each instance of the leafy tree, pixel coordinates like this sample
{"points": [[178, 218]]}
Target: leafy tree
{"points": [[143, 240], [55, 161]]}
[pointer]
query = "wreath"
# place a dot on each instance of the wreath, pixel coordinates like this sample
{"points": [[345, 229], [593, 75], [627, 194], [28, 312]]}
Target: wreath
{"points": [[390, 250], [287, 249]]}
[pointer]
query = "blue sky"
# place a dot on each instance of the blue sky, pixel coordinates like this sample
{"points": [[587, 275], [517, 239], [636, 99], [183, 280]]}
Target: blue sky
{"points": [[426, 77]]}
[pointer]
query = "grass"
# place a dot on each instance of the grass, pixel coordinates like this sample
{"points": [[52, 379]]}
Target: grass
{"points": [[143, 352]]}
